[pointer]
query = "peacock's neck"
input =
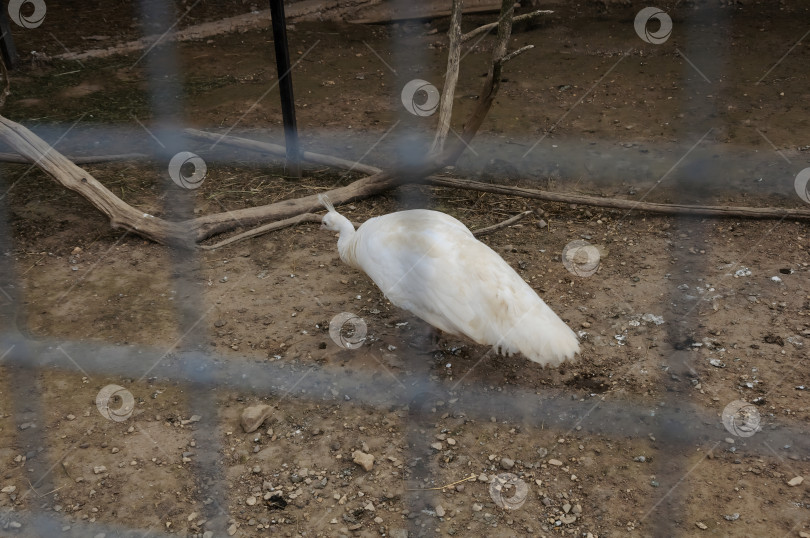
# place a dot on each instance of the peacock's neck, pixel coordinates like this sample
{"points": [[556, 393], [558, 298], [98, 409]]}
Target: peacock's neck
{"points": [[346, 244]]}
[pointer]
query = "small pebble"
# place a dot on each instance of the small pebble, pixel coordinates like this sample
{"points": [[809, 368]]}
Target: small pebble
{"points": [[366, 461]]}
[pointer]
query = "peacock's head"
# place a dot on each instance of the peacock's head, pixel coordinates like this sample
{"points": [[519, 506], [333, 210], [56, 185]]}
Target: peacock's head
{"points": [[333, 220]]}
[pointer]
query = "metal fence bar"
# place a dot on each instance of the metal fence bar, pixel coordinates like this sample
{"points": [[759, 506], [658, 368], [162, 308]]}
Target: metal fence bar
{"points": [[680, 424], [166, 91], [677, 425]]}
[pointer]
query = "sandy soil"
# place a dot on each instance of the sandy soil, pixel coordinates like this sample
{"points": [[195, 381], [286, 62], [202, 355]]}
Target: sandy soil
{"points": [[730, 331]]}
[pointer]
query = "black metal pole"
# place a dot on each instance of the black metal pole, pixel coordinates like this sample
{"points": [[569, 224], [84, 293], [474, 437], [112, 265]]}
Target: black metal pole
{"points": [[7, 48], [285, 87]]}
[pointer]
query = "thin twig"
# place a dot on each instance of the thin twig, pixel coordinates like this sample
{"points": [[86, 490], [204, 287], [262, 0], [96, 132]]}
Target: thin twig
{"points": [[515, 53], [504, 224], [267, 228], [487, 27]]}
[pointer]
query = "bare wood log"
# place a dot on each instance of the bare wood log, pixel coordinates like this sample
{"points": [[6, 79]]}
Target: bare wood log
{"points": [[450, 78], [504, 224], [616, 203], [487, 27], [279, 151]]}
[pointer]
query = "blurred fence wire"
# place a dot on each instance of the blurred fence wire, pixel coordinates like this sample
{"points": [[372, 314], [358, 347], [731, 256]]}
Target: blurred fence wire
{"points": [[678, 425]]}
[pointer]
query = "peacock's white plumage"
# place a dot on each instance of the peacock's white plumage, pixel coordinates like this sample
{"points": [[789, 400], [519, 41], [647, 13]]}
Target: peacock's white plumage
{"points": [[430, 264]]}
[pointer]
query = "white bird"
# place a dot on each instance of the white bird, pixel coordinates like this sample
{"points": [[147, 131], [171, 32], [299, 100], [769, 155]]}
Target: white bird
{"points": [[430, 264]]}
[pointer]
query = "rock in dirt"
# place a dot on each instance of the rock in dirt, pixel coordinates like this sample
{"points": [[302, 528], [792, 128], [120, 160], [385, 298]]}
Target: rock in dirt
{"points": [[254, 416], [554, 462], [507, 463], [795, 481], [366, 461], [440, 510], [700, 525]]}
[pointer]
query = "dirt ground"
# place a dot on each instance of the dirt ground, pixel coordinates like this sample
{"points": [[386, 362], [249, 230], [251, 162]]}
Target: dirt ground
{"points": [[682, 311]]}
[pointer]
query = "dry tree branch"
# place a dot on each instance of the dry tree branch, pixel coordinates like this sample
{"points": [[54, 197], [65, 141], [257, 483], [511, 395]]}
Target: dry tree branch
{"points": [[569, 198], [313, 218], [6, 82], [122, 215], [514, 53], [491, 84], [487, 27], [450, 78], [267, 228], [69, 175]]}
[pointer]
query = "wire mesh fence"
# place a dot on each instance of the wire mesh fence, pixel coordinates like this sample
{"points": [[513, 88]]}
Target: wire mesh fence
{"points": [[420, 402]]}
